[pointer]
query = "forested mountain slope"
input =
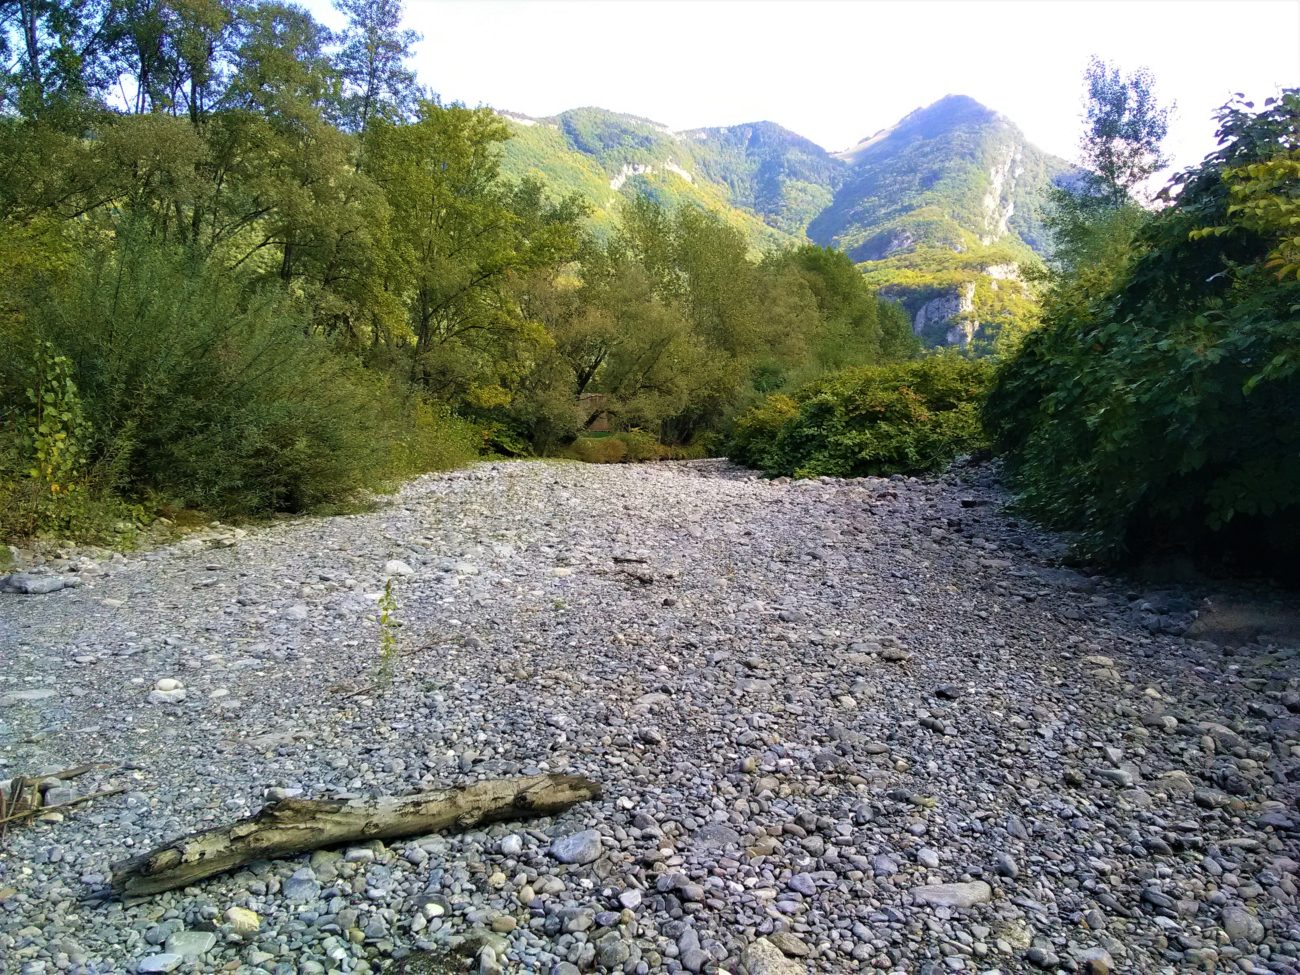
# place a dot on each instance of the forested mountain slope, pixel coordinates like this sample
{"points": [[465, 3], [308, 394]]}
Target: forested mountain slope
{"points": [[955, 175], [935, 207]]}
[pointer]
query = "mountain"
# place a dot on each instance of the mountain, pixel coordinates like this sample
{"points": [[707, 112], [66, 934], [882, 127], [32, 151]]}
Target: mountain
{"points": [[604, 156], [940, 210], [779, 175], [955, 175]]}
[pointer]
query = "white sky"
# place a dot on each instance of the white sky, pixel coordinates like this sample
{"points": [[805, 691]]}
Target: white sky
{"points": [[837, 71]]}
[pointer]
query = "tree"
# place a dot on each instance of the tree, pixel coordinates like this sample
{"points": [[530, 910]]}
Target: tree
{"points": [[632, 348], [56, 53], [1092, 218], [372, 61], [1125, 126], [1156, 406], [461, 238]]}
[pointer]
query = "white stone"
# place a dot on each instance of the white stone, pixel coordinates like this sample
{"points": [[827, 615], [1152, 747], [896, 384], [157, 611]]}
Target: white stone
{"points": [[396, 567], [167, 697], [242, 920]]}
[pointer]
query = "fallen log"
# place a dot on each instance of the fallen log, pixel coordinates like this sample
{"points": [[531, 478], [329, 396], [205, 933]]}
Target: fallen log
{"points": [[290, 826]]}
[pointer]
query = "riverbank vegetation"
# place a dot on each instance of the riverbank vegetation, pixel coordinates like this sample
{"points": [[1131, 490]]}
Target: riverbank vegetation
{"points": [[1156, 407], [252, 267]]}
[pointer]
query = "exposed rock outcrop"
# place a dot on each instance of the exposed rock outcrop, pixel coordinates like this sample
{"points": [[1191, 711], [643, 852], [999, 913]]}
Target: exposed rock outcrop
{"points": [[948, 319]]}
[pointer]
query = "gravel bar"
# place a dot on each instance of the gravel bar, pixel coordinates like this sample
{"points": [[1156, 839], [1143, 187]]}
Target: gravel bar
{"points": [[841, 725]]}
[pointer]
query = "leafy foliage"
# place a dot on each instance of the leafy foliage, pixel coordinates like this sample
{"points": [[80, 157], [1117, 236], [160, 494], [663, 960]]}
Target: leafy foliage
{"points": [[1158, 401], [210, 397], [372, 63], [1124, 126], [47, 454], [387, 635], [908, 418]]}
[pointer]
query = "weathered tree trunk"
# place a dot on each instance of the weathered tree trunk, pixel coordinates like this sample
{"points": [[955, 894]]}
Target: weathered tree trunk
{"points": [[292, 826]]}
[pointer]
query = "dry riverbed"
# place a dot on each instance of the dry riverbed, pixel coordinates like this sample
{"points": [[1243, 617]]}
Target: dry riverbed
{"points": [[841, 726]]}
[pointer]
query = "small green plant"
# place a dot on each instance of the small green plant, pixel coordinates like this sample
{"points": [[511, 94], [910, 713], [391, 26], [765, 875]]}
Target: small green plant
{"points": [[387, 635], [46, 484]]}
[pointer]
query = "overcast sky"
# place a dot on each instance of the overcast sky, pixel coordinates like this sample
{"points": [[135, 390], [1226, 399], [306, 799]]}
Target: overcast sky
{"points": [[837, 71]]}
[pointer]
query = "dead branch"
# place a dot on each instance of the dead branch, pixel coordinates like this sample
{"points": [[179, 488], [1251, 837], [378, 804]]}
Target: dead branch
{"points": [[291, 826], [42, 810]]}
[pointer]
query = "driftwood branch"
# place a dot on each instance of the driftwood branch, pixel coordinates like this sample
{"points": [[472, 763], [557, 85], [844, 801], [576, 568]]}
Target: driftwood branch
{"points": [[42, 810], [291, 826], [25, 798]]}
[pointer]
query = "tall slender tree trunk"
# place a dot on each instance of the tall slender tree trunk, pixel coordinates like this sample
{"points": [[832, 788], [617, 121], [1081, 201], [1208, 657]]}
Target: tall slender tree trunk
{"points": [[27, 10]]}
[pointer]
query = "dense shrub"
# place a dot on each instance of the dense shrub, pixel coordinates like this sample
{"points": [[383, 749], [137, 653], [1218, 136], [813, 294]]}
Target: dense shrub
{"points": [[1159, 402], [756, 439], [199, 394], [628, 446], [909, 417], [599, 450]]}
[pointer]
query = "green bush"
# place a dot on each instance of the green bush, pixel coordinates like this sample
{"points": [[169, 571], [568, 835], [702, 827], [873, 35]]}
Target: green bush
{"points": [[641, 446], [199, 394], [909, 417], [628, 446], [427, 436], [599, 450], [1158, 404], [756, 439]]}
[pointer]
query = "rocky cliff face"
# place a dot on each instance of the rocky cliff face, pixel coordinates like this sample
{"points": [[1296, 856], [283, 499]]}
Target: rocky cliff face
{"points": [[999, 202], [948, 319]]}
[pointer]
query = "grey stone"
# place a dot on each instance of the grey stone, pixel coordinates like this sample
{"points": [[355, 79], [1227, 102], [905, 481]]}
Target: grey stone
{"points": [[191, 943], [301, 887], [32, 585], [883, 865], [717, 837], [613, 953], [803, 883], [953, 895], [1240, 925], [27, 696], [165, 962], [579, 848], [789, 944], [167, 697]]}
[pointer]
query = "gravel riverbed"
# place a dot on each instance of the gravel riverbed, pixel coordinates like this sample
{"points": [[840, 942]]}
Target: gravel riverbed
{"points": [[841, 726]]}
